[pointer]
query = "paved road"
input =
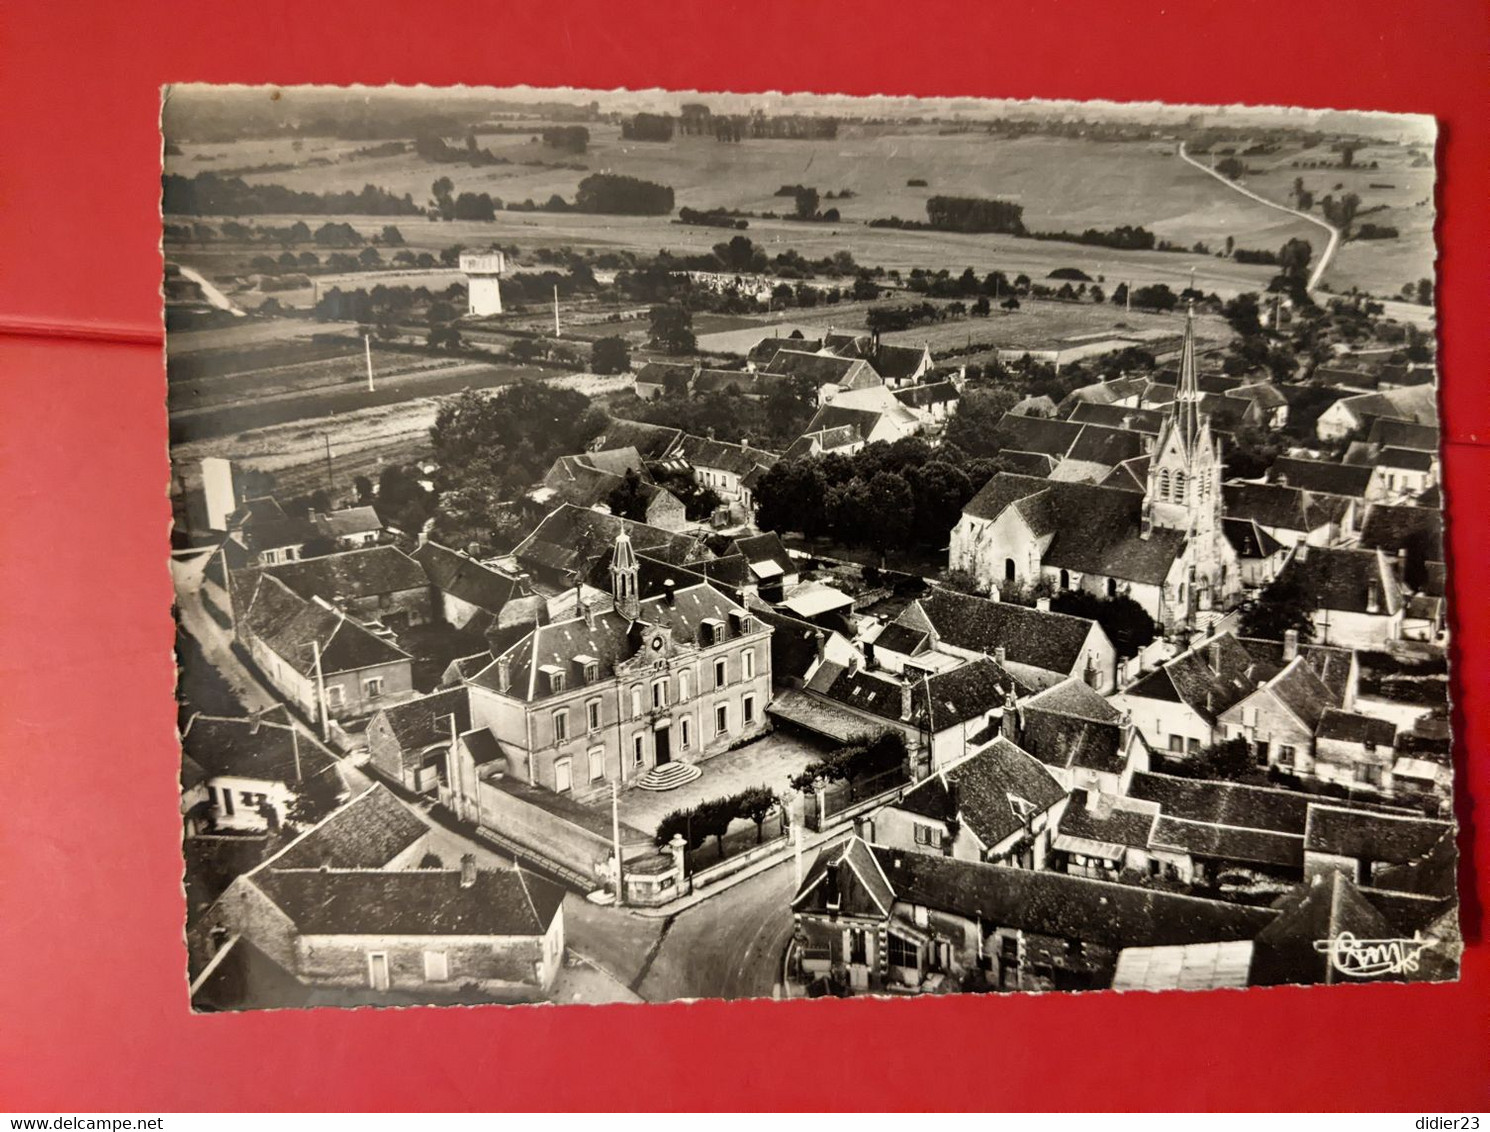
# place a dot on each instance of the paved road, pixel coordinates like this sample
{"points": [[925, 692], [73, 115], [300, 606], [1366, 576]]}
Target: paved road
{"points": [[1329, 251], [730, 946]]}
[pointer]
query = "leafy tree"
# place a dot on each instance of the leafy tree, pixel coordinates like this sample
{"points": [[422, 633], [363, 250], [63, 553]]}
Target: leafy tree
{"points": [[1293, 258], [1282, 605], [628, 500], [977, 427], [1126, 623], [392, 237], [755, 804], [1231, 168], [806, 202], [315, 797], [940, 491], [1228, 760], [792, 496], [672, 329], [611, 355], [890, 507]]}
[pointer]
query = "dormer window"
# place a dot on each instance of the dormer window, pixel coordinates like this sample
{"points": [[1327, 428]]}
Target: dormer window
{"points": [[555, 676], [588, 666], [712, 630]]}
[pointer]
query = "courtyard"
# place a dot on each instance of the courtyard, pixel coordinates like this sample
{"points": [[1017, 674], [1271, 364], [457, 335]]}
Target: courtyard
{"points": [[771, 760]]}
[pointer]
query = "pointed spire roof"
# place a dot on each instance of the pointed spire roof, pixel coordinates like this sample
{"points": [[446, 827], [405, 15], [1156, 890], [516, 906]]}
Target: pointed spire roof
{"points": [[624, 557], [1187, 398]]}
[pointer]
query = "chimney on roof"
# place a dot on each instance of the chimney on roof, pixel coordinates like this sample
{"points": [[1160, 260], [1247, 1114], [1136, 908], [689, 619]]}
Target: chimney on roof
{"points": [[467, 870], [473, 550], [1127, 420], [1011, 720], [253, 725], [1373, 597], [1301, 551], [1000, 654], [905, 697], [1042, 604], [1282, 479], [868, 654], [504, 674], [587, 610], [669, 588], [830, 885], [1214, 658], [1290, 644]]}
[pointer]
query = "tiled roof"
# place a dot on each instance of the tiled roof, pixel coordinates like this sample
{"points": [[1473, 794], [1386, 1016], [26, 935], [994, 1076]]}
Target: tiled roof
{"points": [[288, 624], [1036, 434], [1069, 725], [348, 521], [420, 902], [1117, 416], [1026, 463], [1321, 476], [1352, 727], [898, 363], [795, 643], [833, 416], [1211, 677], [723, 380], [424, 721], [657, 373], [1096, 530], [737, 458], [981, 790], [611, 640], [1118, 821], [462, 577], [1229, 843], [1372, 837], [937, 700], [576, 539], [653, 441], [1301, 691], [1271, 505], [823, 369], [767, 348], [928, 393], [1062, 906], [265, 751], [1097, 444], [1346, 580], [1223, 803], [368, 832], [1408, 458], [1249, 540], [765, 548], [857, 856], [1049, 641], [1286, 951], [368, 572], [1403, 434], [902, 639]]}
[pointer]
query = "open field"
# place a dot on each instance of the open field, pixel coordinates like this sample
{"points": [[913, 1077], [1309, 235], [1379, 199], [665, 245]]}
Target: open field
{"points": [[344, 396], [1376, 266]]}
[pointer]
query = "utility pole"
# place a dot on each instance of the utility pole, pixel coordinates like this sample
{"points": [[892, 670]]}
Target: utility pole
{"points": [[321, 693], [367, 349], [615, 827], [557, 332], [801, 816], [330, 480], [1128, 298], [295, 743]]}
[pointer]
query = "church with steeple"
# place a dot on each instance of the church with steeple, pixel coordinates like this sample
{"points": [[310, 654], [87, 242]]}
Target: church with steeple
{"points": [[1154, 533]]}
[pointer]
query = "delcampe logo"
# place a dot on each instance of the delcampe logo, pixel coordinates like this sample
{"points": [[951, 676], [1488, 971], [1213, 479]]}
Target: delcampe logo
{"points": [[1372, 958]]}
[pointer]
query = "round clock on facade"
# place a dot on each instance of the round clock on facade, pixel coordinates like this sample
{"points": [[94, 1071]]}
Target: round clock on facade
{"points": [[656, 644]]}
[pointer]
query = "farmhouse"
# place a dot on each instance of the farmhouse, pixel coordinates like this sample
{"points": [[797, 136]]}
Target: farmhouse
{"points": [[1039, 647], [409, 743], [1355, 594], [378, 583], [997, 805], [251, 770], [349, 528], [468, 592], [349, 905], [316, 656]]}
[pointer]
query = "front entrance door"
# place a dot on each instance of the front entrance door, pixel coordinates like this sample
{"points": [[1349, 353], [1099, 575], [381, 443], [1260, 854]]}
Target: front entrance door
{"points": [[377, 964], [662, 743]]}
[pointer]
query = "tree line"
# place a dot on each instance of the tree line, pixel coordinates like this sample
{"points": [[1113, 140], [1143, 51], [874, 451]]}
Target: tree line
{"points": [[208, 194], [714, 816]]}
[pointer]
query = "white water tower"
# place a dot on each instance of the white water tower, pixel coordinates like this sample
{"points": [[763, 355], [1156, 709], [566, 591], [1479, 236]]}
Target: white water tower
{"points": [[483, 272], [217, 486]]}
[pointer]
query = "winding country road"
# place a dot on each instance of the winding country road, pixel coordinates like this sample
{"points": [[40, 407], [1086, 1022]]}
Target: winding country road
{"points": [[1330, 248]]}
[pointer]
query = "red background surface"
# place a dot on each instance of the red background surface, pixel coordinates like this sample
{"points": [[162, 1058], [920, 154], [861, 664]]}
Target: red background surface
{"points": [[93, 1008]]}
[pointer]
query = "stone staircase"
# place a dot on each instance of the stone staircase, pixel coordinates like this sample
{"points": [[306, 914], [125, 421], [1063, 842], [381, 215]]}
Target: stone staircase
{"points": [[668, 776]]}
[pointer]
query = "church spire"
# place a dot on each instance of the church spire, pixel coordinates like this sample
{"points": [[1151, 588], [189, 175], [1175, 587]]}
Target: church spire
{"points": [[623, 578], [1187, 396]]}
